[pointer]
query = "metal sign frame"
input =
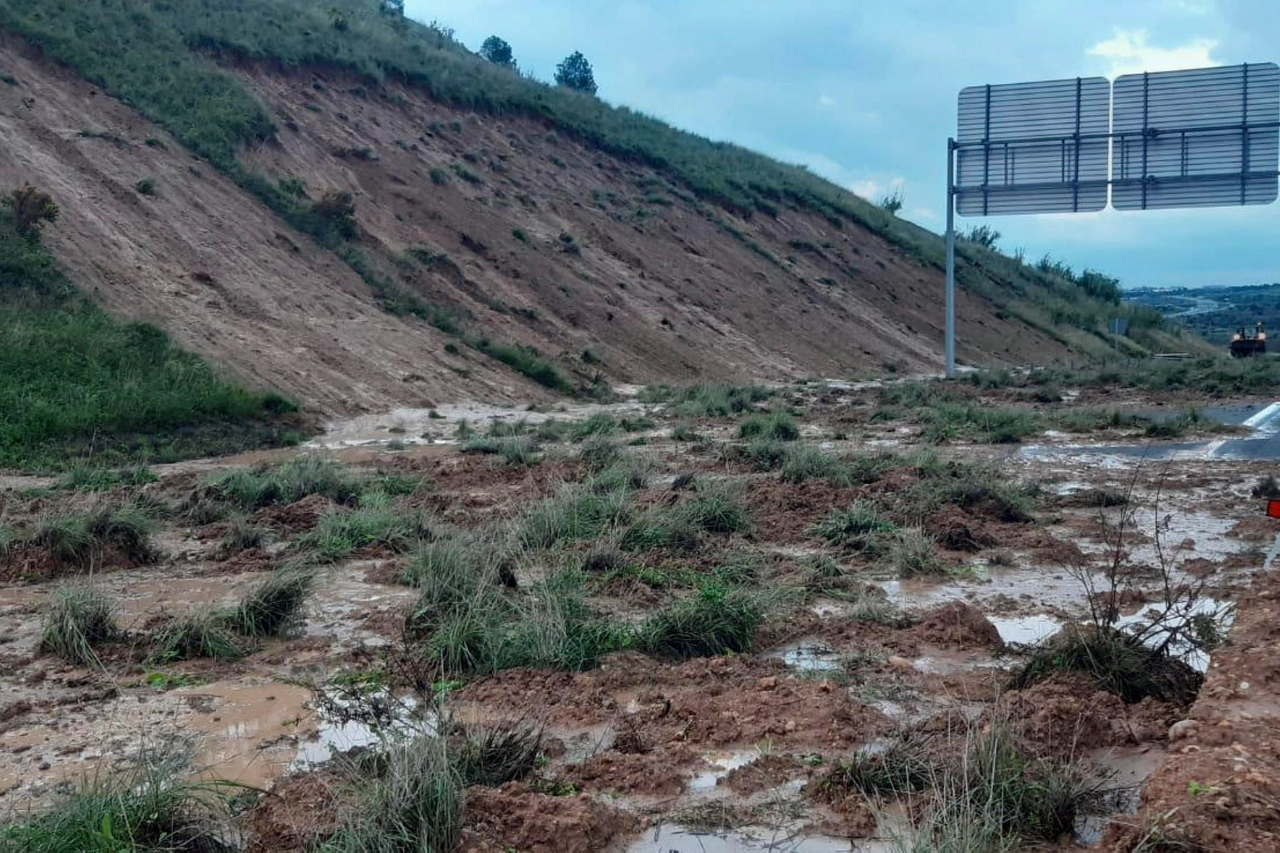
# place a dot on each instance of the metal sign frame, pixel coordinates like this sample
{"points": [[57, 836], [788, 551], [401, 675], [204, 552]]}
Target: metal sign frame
{"points": [[1198, 138]]}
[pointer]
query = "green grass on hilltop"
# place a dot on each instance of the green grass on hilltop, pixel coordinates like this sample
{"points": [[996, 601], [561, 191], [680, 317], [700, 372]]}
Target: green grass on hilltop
{"points": [[76, 382]]}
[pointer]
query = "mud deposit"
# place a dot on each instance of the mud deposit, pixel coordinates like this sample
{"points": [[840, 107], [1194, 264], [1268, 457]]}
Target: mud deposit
{"points": [[839, 649]]}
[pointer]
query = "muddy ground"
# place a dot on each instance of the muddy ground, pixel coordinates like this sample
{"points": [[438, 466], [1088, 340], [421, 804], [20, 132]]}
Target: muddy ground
{"points": [[642, 751]]}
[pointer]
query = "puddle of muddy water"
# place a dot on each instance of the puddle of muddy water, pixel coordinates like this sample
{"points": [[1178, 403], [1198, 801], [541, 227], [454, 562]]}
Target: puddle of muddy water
{"points": [[722, 766], [1126, 768], [669, 838], [807, 656], [1026, 630]]}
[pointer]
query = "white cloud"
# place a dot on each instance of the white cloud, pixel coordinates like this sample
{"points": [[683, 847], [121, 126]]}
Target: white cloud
{"points": [[826, 101], [1127, 52], [875, 188]]}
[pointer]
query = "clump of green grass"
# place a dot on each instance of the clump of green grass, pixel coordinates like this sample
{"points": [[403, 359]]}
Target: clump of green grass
{"points": [[681, 527], [1118, 663], [450, 572], [600, 452], [94, 478], [714, 621], [242, 535], [685, 432], [339, 533], [414, 805], [84, 540], [801, 464], [147, 804], [913, 553], [575, 513], [495, 755], [274, 607], [76, 621], [901, 768], [984, 424], [201, 635], [253, 488], [765, 454], [859, 527], [777, 425], [706, 401], [514, 450]]}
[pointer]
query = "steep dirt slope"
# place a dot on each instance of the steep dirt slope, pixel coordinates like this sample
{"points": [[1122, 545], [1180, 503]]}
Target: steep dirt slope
{"points": [[531, 237], [211, 265]]}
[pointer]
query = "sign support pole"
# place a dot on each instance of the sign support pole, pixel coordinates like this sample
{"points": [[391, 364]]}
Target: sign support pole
{"points": [[950, 344]]}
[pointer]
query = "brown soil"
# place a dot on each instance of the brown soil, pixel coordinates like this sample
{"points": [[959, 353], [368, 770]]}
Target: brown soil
{"points": [[1066, 715], [294, 518], [656, 773], [514, 818], [650, 298], [1219, 789], [298, 812], [960, 625], [712, 702], [766, 772]]}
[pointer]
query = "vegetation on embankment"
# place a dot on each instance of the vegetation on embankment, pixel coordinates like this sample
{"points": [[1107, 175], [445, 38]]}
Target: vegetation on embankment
{"points": [[75, 382], [163, 59]]}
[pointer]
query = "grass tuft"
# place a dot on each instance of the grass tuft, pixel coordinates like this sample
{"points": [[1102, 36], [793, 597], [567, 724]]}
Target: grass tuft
{"points": [[253, 488], [201, 635], [274, 607], [77, 620], [715, 621]]}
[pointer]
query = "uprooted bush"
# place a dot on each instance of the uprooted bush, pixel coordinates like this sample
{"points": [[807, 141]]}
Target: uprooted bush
{"points": [[78, 620], [1118, 663]]}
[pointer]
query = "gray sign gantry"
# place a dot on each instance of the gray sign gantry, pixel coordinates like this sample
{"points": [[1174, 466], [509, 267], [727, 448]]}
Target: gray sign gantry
{"points": [[1204, 137]]}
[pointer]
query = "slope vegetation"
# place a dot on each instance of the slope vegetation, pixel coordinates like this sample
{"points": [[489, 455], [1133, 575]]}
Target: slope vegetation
{"points": [[375, 217]]}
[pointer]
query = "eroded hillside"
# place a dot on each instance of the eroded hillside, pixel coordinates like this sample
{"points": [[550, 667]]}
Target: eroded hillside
{"points": [[526, 234]]}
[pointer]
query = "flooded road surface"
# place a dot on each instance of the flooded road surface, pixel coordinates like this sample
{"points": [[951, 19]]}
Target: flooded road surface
{"points": [[1261, 443]]}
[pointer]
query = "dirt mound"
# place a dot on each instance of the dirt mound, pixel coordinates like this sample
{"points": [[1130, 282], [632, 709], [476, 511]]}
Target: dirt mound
{"points": [[767, 771], [296, 814], [654, 773], [957, 530], [958, 624], [514, 818], [1065, 714], [297, 517]]}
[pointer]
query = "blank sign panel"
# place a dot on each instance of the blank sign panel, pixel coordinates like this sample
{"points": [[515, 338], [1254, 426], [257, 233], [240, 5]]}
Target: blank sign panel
{"points": [[1203, 137], [1033, 147]]}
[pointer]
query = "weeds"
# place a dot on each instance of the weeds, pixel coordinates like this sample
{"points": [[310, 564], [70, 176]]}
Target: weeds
{"points": [[84, 540], [776, 425], [253, 488], [900, 769], [859, 527], [495, 755], [91, 478], [714, 621], [706, 401], [200, 635], [912, 553], [573, 514], [242, 535], [340, 533], [148, 804], [78, 619], [413, 806], [274, 607]]}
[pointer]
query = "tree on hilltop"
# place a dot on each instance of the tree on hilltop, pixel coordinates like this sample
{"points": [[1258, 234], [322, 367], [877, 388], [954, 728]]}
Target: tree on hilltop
{"points": [[575, 73], [498, 51]]}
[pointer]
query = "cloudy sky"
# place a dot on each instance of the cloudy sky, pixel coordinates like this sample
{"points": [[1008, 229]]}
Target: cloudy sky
{"points": [[864, 93]]}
